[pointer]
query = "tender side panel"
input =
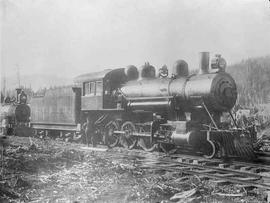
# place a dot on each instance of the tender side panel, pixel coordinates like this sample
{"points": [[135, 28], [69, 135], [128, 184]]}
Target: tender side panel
{"points": [[56, 106]]}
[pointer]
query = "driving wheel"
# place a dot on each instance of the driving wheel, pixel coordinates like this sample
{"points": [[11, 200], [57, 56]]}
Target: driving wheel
{"points": [[111, 139], [128, 140], [145, 142]]}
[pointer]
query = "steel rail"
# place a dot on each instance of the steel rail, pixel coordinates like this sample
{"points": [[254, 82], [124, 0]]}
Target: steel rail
{"points": [[213, 172], [223, 170], [235, 162], [220, 177], [234, 176]]}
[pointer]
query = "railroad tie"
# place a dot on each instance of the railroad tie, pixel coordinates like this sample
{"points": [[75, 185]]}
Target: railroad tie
{"points": [[255, 170], [212, 163], [197, 162], [223, 165], [245, 168], [220, 182], [181, 160], [235, 167]]}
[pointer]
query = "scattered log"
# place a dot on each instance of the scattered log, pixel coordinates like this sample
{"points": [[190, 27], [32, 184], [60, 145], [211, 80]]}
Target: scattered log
{"points": [[95, 149], [229, 195], [184, 195]]}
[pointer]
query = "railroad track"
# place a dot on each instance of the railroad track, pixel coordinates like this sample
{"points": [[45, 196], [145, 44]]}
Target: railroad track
{"points": [[247, 174]]}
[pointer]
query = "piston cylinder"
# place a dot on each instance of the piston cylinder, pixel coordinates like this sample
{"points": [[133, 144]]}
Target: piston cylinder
{"points": [[184, 138]]}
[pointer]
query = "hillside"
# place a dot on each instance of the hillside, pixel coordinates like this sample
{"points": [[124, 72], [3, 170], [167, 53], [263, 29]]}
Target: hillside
{"points": [[253, 80]]}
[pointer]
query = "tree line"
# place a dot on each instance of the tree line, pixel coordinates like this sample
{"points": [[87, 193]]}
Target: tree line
{"points": [[252, 77]]}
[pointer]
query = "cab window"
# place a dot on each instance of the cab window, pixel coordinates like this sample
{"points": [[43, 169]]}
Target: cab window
{"points": [[99, 88], [86, 88], [93, 88]]}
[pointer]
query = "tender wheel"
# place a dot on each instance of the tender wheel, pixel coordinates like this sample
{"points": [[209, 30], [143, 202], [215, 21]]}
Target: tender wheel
{"points": [[84, 138], [41, 134], [111, 139], [68, 137], [35, 133], [127, 140], [145, 143], [209, 149], [77, 137]]}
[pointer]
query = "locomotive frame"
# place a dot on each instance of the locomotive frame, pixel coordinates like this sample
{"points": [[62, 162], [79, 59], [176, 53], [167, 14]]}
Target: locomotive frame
{"points": [[135, 108]]}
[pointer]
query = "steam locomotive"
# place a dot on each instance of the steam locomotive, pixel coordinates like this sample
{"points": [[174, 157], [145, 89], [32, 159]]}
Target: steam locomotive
{"points": [[15, 115], [136, 108]]}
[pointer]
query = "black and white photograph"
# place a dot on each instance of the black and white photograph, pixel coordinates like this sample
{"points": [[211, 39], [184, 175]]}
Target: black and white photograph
{"points": [[119, 101]]}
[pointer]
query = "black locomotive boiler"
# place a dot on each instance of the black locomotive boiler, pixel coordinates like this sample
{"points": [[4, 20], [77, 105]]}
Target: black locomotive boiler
{"points": [[15, 115], [136, 108]]}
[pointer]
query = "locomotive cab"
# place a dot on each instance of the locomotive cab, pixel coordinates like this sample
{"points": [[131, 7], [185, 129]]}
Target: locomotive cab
{"points": [[99, 89]]}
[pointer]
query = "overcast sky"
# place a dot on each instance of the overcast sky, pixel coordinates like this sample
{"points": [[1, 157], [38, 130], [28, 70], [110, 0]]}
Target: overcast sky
{"points": [[70, 37]]}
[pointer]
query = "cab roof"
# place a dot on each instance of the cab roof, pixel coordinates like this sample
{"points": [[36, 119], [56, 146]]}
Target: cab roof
{"points": [[115, 73], [91, 76]]}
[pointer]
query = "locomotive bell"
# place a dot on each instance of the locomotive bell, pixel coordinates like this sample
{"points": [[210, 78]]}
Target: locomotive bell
{"points": [[218, 63]]}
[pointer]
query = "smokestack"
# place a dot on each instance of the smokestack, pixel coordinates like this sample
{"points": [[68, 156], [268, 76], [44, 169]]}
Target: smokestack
{"points": [[204, 62]]}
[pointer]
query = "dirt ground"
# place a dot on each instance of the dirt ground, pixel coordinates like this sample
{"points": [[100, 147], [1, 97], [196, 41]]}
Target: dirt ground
{"points": [[35, 170]]}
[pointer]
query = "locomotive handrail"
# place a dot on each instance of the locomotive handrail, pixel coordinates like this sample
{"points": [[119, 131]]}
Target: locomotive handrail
{"points": [[208, 126], [148, 98], [210, 115]]}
